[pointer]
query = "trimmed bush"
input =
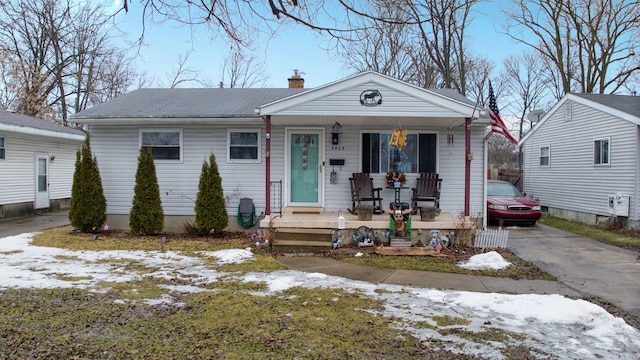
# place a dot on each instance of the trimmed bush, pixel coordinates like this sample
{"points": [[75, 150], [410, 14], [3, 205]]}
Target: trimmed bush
{"points": [[146, 216], [211, 212], [88, 206]]}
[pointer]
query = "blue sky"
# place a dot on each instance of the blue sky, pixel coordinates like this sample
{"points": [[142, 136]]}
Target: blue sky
{"points": [[294, 48]]}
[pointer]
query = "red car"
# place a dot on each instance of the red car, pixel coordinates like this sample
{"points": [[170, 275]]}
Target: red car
{"points": [[505, 202]]}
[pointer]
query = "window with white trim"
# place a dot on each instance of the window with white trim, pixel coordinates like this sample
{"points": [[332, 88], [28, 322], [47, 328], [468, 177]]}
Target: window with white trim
{"points": [[165, 144], [419, 155], [601, 151], [2, 149], [545, 156], [243, 145]]}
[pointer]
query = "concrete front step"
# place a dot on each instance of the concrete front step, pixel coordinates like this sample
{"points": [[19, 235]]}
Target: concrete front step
{"points": [[302, 240]]}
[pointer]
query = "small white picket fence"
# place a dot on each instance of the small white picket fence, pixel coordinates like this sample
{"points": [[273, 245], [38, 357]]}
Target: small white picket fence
{"points": [[491, 238]]}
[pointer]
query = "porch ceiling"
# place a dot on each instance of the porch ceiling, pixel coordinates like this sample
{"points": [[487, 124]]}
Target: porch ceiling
{"points": [[369, 121]]}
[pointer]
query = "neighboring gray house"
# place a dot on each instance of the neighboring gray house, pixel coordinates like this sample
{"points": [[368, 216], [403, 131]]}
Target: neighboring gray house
{"points": [[37, 162], [262, 136], [581, 161]]}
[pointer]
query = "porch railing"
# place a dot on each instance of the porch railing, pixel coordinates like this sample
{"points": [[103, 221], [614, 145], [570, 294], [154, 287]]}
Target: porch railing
{"points": [[276, 196]]}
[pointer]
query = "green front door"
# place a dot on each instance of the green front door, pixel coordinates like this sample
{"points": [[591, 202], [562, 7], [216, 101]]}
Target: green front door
{"points": [[305, 167]]}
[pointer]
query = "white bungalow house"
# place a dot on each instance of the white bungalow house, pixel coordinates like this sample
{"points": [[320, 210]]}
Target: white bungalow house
{"points": [[581, 160], [37, 162], [291, 149]]}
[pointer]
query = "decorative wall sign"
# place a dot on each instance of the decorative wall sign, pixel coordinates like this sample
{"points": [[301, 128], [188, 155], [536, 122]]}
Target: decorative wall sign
{"points": [[370, 98]]}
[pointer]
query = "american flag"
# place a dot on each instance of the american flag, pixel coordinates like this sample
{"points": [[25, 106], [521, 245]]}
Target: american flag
{"points": [[497, 125]]}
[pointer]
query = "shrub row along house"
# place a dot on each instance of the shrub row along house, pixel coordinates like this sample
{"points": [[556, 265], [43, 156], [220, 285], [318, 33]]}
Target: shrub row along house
{"points": [[289, 149]]}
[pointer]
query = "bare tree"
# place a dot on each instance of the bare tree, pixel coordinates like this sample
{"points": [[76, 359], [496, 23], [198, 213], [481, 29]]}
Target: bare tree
{"points": [[182, 73], [414, 34], [590, 43], [240, 21], [242, 70], [441, 26], [526, 83], [388, 48], [62, 57], [502, 152]]}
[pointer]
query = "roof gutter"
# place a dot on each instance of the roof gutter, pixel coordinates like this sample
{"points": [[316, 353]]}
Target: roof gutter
{"points": [[41, 132]]}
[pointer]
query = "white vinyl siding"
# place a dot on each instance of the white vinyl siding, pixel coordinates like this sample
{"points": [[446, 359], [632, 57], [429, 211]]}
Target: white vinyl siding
{"points": [[116, 149], [573, 182], [17, 172]]}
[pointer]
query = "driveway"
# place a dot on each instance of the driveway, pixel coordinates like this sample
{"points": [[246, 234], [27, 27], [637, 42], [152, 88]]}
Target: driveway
{"points": [[587, 266]]}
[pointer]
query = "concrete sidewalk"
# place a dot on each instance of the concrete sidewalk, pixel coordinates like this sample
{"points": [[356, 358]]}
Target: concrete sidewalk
{"points": [[11, 227], [436, 280]]}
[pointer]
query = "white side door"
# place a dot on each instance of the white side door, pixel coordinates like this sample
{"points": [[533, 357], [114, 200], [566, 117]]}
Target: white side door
{"points": [[42, 181]]}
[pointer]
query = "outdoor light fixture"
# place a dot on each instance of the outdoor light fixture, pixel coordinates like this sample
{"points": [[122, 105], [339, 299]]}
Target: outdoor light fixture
{"points": [[336, 130]]}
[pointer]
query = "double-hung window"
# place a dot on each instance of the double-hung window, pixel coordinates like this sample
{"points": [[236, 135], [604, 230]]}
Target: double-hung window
{"points": [[601, 151], [2, 149], [419, 155], [165, 144], [545, 156], [243, 145]]}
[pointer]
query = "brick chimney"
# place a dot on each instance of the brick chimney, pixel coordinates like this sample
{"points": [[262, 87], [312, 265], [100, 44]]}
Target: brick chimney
{"points": [[296, 81]]}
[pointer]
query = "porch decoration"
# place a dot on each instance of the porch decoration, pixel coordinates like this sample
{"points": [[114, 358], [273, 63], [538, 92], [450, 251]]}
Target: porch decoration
{"points": [[399, 225], [394, 177], [304, 140], [398, 138]]}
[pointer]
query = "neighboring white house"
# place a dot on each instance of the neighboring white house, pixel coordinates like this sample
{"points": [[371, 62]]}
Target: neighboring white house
{"points": [[582, 155], [37, 162], [308, 140]]}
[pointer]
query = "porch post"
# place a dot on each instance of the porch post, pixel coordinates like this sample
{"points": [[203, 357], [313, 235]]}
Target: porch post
{"points": [[467, 165], [267, 165]]}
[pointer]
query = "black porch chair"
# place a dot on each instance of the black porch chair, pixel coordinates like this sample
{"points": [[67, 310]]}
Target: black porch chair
{"points": [[362, 190], [427, 189]]}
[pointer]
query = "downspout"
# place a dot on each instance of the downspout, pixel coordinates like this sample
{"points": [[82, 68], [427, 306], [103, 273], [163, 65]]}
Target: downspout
{"points": [[267, 165], [467, 165]]}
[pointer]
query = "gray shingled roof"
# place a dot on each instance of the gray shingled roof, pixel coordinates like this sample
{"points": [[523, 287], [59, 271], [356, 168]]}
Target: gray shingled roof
{"points": [[187, 103], [628, 104], [17, 119]]}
